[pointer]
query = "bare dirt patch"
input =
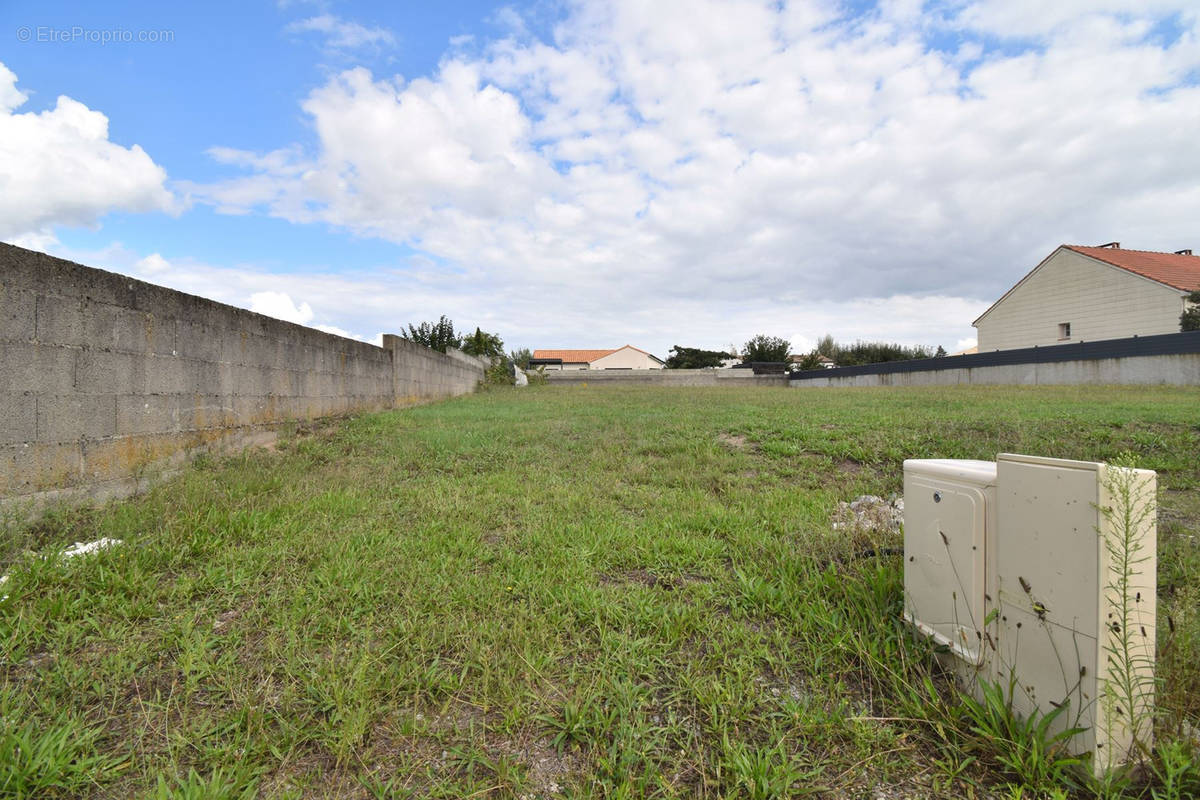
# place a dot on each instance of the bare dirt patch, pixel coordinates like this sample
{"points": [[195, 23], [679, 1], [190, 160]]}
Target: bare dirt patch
{"points": [[653, 580], [733, 440], [849, 466]]}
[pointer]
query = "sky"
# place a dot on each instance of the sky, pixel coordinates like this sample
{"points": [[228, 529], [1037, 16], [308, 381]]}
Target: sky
{"points": [[591, 174]]}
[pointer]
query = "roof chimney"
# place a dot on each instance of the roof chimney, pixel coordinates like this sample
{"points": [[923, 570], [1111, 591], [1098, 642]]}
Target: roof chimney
{"points": [[1113, 245], [1183, 252]]}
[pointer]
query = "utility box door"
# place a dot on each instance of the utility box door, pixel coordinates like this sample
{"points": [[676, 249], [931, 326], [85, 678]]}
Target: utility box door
{"points": [[945, 522], [1062, 587]]}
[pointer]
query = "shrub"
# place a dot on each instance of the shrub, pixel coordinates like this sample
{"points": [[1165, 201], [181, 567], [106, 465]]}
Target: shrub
{"points": [[694, 358], [438, 335], [482, 343], [870, 352], [765, 348], [500, 373], [1189, 320]]}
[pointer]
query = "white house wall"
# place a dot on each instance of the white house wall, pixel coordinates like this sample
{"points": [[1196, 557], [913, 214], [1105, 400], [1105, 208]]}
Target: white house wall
{"points": [[626, 358], [1098, 300]]}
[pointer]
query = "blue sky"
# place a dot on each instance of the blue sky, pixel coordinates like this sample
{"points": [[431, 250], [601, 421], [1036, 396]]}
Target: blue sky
{"points": [[232, 74], [589, 174]]}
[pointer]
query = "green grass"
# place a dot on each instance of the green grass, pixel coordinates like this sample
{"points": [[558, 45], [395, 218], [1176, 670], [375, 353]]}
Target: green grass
{"points": [[563, 591]]}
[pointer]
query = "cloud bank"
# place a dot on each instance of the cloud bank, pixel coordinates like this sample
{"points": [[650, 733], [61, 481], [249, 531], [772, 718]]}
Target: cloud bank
{"points": [[58, 167], [698, 172], [670, 155]]}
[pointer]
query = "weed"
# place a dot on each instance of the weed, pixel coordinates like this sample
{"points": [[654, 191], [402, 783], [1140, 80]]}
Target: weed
{"points": [[56, 760], [221, 784], [1128, 693], [767, 773], [569, 727], [1025, 747], [1177, 769]]}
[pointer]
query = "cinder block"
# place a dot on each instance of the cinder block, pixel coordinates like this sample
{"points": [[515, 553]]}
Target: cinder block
{"points": [[63, 418], [255, 409], [43, 274], [233, 345], [125, 456], [206, 376], [18, 417], [37, 368], [60, 321], [36, 466], [148, 413], [18, 312], [252, 380], [170, 375], [104, 372], [111, 328], [196, 340], [207, 411], [263, 351]]}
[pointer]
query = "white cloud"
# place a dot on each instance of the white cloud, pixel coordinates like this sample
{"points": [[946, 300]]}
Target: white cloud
{"points": [[152, 264], [965, 344], [714, 170], [280, 306], [342, 34], [58, 167]]}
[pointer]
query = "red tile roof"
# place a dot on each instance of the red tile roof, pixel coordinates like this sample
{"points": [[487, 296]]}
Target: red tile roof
{"points": [[1179, 271], [573, 356], [588, 356]]}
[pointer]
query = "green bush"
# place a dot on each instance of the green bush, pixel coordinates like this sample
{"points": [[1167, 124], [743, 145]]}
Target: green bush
{"points": [[500, 373], [484, 344], [1189, 320], [694, 358], [765, 349], [438, 335]]}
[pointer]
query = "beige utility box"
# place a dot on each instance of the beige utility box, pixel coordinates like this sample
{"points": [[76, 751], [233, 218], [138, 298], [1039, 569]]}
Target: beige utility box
{"points": [[1040, 572], [949, 508]]}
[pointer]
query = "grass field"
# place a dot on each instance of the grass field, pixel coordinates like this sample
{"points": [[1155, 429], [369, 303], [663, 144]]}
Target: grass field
{"points": [[563, 591]]}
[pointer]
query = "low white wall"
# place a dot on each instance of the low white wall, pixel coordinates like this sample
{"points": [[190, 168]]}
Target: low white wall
{"points": [[1179, 370]]}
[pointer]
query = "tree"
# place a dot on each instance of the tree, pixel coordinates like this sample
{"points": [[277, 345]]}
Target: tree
{"points": [[484, 344], [694, 358], [434, 335], [766, 348], [941, 351], [810, 361], [870, 352], [1189, 320], [521, 357]]}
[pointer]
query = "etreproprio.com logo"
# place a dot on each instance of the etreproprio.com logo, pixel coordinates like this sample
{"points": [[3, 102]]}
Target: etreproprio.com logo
{"points": [[78, 34]]}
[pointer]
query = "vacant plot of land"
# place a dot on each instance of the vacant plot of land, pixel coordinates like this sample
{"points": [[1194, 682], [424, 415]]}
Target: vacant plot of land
{"points": [[564, 591]]}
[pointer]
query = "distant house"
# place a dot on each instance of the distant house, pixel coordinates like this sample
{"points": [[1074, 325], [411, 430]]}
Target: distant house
{"points": [[1091, 293], [627, 357]]}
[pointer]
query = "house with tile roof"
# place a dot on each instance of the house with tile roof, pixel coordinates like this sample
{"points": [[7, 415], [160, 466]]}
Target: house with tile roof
{"points": [[1091, 293], [626, 357]]}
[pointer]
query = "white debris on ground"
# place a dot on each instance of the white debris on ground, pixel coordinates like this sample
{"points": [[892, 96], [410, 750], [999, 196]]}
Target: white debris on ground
{"points": [[82, 548], [869, 513], [77, 549]]}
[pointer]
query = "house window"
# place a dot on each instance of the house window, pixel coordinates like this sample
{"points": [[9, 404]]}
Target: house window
{"points": [[1064, 330]]}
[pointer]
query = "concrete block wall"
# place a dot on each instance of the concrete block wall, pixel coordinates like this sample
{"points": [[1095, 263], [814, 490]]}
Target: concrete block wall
{"points": [[102, 376], [666, 377], [1180, 369]]}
